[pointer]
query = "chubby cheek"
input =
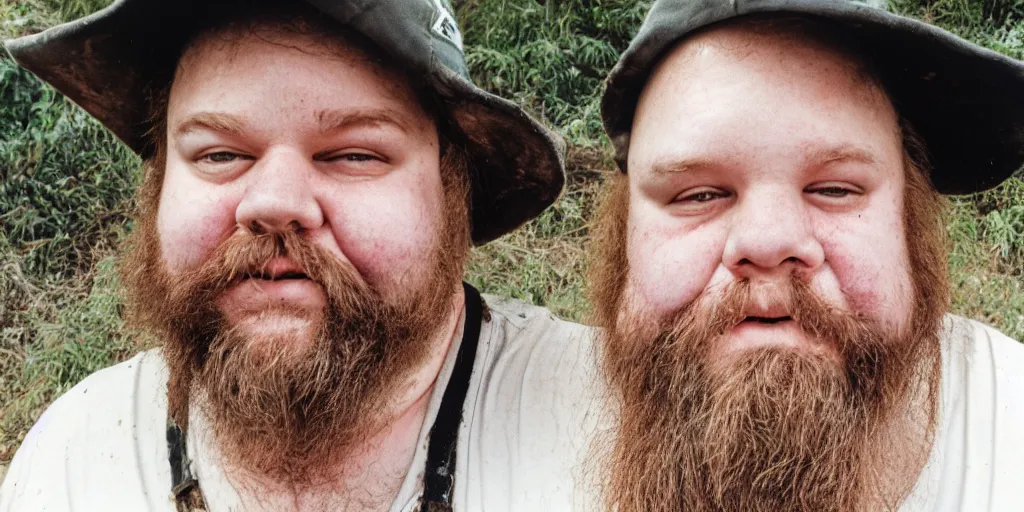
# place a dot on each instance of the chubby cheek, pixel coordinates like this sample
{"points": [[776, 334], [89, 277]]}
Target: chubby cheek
{"points": [[867, 260], [191, 225], [388, 233], [669, 265]]}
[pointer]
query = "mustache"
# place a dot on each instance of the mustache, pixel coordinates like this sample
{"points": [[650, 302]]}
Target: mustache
{"points": [[249, 256], [712, 315]]}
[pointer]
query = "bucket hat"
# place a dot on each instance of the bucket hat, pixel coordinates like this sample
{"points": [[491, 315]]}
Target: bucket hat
{"points": [[966, 102], [106, 61]]}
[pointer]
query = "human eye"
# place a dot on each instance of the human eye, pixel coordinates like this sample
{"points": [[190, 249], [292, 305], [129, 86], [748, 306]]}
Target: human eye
{"points": [[222, 157], [832, 191], [353, 162], [353, 157], [700, 195], [222, 164], [836, 196], [699, 201]]}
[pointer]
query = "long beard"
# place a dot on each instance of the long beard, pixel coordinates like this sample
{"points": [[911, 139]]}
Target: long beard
{"points": [[769, 429], [281, 407]]}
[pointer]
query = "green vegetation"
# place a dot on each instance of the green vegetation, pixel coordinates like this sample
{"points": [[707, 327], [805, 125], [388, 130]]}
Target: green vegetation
{"points": [[65, 189]]}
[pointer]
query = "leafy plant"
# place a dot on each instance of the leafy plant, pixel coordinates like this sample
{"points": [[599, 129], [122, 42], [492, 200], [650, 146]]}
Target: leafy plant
{"points": [[65, 182], [550, 56]]}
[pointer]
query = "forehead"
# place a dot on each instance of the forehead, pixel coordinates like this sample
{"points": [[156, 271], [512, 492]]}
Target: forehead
{"points": [[230, 67], [742, 86]]}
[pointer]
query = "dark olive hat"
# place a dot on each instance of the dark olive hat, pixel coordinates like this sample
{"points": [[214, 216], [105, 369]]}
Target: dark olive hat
{"points": [[106, 62], [966, 102]]}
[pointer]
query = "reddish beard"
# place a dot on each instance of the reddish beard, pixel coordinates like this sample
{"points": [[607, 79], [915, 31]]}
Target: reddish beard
{"points": [[283, 408], [767, 429]]}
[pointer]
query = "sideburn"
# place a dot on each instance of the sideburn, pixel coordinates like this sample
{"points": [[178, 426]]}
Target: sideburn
{"points": [[607, 263]]}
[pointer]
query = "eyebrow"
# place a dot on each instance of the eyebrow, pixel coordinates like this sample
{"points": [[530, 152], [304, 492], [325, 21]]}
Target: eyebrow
{"points": [[672, 165], [817, 158], [332, 120], [218, 122], [841, 153], [329, 120]]}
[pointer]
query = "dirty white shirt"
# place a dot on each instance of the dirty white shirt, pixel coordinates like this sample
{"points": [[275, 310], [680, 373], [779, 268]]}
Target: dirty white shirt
{"points": [[522, 445], [977, 463]]}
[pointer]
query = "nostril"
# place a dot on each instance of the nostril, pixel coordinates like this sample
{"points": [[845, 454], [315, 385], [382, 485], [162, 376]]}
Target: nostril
{"points": [[256, 228]]}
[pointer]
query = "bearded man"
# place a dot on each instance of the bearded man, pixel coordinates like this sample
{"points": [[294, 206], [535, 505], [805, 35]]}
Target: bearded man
{"points": [[314, 175], [770, 265]]}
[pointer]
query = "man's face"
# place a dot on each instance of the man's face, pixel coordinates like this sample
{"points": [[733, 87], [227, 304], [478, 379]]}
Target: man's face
{"points": [[754, 157], [301, 248], [767, 332], [288, 135]]}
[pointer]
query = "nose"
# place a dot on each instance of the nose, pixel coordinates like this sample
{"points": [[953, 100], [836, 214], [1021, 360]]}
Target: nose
{"points": [[280, 196], [771, 232]]}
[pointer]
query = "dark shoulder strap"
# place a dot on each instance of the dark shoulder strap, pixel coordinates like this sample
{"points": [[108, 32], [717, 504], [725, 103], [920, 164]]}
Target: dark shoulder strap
{"points": [[439, 478], [184, 486]]}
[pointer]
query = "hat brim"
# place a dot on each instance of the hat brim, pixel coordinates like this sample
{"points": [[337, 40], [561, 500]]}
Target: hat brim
{"points": [[966, 102], [108, 61]]}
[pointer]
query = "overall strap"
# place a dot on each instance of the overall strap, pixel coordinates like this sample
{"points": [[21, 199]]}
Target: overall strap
{"points": [[184, 486], [439, 477]]}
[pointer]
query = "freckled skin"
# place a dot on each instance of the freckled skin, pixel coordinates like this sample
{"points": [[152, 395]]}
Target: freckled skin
{"points": [[377, 214], [751, 114]]}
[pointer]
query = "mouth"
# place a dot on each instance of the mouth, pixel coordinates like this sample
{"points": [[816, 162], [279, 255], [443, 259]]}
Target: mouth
{"points": [[280, 283], [267, 276], [766, 320]]}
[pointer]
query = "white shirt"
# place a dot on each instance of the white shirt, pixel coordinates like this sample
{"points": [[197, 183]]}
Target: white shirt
{"points": [[977, 463], [530, 418], [523, 443]]}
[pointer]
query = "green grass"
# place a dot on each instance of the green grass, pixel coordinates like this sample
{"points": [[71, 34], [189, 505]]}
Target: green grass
{"points": [[20, 17], [65, 187], [542, 262], [550, 56], [987, 258]]}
